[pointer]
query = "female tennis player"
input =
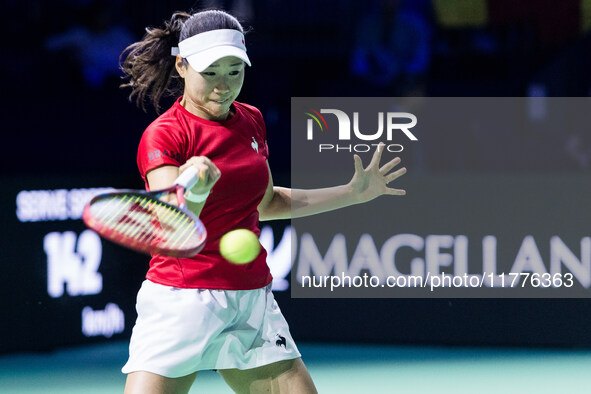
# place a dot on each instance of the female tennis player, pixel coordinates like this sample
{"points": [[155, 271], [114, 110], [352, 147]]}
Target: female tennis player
{"points": [[205, 313]]}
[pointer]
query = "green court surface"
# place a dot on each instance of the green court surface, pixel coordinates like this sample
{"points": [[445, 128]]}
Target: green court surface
{"points": [[335, 369]]}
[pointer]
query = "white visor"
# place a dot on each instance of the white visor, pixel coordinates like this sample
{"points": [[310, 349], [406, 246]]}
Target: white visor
{"points": [[203, 49]]}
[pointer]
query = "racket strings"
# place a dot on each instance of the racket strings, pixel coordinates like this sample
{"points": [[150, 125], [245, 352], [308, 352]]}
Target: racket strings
{"points": [[141, 220]]}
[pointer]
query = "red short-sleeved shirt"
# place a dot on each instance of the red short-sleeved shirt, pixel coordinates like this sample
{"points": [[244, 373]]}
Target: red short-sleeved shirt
{"points": [[238, 147]]}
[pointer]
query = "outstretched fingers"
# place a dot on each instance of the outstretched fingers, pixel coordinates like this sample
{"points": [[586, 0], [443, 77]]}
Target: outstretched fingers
{"points": [[395, 175], [396, 192], [372, 181], [377, 156], [358, 164], [392, 176], [386, 168]]}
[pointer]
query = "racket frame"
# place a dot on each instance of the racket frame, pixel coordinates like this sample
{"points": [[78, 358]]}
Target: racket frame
{"points": [[181, 183]]}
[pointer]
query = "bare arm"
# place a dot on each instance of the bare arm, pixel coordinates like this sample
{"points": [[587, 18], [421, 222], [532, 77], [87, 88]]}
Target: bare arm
{"points": [[366, 184]]}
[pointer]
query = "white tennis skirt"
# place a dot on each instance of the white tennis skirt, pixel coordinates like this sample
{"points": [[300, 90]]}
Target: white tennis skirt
{"points": [[180, 331]]}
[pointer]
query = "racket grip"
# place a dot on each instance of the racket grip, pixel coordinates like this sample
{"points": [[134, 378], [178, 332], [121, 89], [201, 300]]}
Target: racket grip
{"points": [[188, 178]]}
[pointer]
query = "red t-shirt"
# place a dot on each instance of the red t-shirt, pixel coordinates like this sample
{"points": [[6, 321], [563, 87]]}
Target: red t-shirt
{"points": [[238, 147]]}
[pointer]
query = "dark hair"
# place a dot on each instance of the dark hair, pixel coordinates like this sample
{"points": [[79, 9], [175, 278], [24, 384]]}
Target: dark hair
{"points": [[148, 64]]}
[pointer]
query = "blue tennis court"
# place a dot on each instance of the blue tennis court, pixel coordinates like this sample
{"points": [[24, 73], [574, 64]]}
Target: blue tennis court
{"points": [[335, 368]]}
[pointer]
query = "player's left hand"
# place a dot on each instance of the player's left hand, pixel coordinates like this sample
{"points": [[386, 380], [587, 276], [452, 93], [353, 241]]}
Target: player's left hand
{"points": [[372, 181]]}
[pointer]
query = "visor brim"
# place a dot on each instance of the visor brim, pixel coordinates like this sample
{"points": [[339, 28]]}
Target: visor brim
{"points": [[200, 61]]}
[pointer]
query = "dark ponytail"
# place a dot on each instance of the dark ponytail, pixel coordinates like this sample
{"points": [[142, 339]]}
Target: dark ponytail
{"points": [[148, 64]]}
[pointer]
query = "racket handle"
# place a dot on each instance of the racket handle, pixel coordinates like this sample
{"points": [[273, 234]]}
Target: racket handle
{"points": [[188, 178]]}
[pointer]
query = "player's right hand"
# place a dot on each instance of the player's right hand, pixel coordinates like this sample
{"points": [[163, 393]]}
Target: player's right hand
{"points": [[207, 170]]}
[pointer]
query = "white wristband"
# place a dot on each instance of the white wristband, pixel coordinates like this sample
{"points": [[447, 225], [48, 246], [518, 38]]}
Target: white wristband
{"points": [[196, 198]]}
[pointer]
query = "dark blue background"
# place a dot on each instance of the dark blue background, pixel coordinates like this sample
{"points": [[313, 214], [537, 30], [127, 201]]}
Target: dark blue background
{"points": [[67, 124]]}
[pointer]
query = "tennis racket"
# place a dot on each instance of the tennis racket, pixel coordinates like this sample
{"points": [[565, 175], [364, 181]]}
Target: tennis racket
{"points": [[138, 220]]}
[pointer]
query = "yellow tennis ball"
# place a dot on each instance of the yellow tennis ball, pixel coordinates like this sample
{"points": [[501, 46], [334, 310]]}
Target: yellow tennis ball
{"points": [[240, 246]]}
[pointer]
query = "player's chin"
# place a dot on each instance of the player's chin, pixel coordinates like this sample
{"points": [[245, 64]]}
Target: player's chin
{"points": [[220, 111]]}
